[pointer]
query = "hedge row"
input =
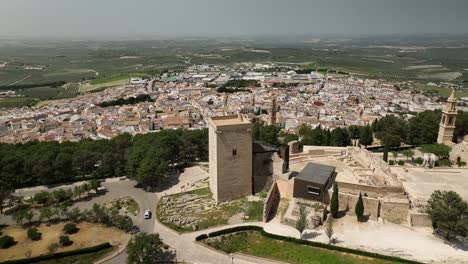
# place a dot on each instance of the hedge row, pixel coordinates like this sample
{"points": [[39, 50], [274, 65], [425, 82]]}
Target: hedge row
{"points": [[60, 254], [304, 242]]}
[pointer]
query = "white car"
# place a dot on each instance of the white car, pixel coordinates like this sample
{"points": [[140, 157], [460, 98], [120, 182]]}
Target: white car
{"points": [[147, 214]]}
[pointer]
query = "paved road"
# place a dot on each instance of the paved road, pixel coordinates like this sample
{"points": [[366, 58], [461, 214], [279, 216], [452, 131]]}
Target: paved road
{"points": [[184, 245]]}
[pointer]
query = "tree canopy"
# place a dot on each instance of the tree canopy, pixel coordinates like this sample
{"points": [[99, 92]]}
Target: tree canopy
{"points": [[449, 213], [145, 248], [142, 157]]}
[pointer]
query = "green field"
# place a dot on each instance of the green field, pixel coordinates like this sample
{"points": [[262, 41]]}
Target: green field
{"points": [[253, 243], [16, 102], [114, 78], [113, 61]]}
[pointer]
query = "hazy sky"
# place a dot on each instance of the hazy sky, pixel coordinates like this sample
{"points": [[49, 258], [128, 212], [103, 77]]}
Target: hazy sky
{"points": [[159, 19]]}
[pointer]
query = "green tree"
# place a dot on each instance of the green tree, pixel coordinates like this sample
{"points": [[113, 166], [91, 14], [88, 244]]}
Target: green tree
{"points": [[408, 153], [70, 228], [340, 137], [395, 155], [449, 213], [145, 248], [95, 184], [329, 229], [302, 222], [354, 132], [33, 234], [334, 203], [359, 209], [19, 216], [366, 137], [46, 213], [41, 197], [6, 241], [440, 150], [65, 241], [5, 192]]}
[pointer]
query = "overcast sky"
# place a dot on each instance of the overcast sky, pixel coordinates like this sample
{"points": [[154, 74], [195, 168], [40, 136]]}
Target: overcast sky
{"points": [[82, 19]]}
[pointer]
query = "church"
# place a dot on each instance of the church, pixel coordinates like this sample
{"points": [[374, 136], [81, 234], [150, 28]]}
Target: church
{"points": [[447, 128]]}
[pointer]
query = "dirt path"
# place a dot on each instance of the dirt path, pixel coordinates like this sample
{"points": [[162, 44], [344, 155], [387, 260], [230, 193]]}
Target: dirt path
{"points": [[25, 78]]}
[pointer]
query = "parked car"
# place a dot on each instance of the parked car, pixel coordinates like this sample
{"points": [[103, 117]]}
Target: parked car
{"points": [[147, 214]]}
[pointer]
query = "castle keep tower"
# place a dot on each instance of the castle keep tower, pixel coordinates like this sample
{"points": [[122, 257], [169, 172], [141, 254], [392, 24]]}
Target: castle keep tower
{"points": [[447, 123], [230, 155]]}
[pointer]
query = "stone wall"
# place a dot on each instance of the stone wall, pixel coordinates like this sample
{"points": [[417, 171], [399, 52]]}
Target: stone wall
{"points": [[293, 147], [371, 191], [348, 202], [395, 210], [420, 220], [271, 201], [262, 171], [321, 150], [286, 188]]}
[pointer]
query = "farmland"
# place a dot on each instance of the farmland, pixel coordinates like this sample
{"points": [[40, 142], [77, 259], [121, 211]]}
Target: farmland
{"points": [[98, 65]]}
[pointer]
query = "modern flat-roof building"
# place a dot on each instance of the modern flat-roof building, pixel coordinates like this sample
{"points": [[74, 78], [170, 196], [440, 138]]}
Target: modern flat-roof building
{"points": [[313, 182], [230, 157]]}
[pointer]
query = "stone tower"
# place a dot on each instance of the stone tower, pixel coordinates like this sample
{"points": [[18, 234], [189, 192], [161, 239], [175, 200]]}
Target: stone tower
{"points": [[447, 123], [273, 112], [230, 157]]}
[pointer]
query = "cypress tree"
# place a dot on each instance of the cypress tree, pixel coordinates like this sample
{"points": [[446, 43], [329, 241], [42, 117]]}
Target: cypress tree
{"points": [[359, 209], [334, 203], [385, 153]]}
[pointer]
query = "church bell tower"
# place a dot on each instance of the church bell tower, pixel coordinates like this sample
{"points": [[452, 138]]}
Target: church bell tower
{"points": [[447, 123]]}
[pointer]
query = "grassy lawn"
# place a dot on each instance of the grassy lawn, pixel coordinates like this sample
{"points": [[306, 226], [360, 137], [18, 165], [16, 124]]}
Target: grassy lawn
{"points": [[200, 205], [80, 259], [114, 78], [253, 243]]}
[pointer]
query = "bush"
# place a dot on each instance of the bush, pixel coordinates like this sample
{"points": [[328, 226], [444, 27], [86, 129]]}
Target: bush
{"points": [[418, 160], [391, 162], [444, 163], [461, 164], [33, 234], [42, 197], [401, 162], [53, 247], [70, 228], [6, 241], [65, 241]]}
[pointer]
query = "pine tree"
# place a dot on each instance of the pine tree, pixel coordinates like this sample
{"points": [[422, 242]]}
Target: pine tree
{"points": [[365, 136], [359, 209], [334, 203]]}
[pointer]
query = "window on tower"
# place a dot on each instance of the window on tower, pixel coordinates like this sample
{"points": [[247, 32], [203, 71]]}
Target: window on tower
{"points": [[234, 151]]}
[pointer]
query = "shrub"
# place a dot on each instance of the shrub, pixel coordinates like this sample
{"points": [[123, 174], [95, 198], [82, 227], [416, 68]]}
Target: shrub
{"points": [[401, 162], [33, 234], [65, 241], [70, 228], [53, 247], [444, 163], [461, 164], [391, 162], [418, 160], [6, 241], [42, 197]]}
